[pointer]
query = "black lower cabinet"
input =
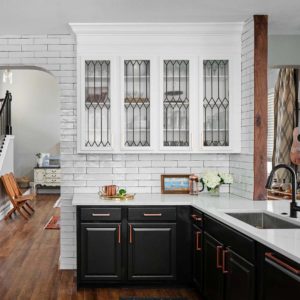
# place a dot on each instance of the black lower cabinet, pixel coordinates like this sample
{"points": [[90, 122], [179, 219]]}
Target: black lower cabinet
{"points": [[281, 278], [240, 277], [213, 288], [152, 251], [100, 257], [198, 257]]}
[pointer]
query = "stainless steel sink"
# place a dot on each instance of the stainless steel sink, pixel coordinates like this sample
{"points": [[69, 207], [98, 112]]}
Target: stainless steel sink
{"points": [[263, 220]]}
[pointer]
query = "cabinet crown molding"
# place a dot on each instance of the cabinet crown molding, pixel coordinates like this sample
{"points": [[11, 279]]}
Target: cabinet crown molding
{"points": [[194, 29]]}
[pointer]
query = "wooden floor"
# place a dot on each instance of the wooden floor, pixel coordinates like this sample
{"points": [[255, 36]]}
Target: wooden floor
{"points": [[29, 264]]}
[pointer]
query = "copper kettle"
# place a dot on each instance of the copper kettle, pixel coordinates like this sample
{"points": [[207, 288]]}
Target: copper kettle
{"points": [[194, 185]]}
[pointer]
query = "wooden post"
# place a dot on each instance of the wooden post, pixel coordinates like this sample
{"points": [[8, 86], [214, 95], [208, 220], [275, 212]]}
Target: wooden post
{"points": [[260, 105]]}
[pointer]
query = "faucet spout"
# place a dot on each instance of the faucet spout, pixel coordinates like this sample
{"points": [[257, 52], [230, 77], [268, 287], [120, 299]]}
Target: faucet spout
{"points": [[293, 206]]}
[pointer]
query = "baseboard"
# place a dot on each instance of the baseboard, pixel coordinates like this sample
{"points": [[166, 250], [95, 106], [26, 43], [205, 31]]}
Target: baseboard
{"points": [[41, 191]]}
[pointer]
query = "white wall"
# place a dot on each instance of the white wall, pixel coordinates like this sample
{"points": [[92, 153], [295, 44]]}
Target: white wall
{"points": [[35, 116], [284, 50]]}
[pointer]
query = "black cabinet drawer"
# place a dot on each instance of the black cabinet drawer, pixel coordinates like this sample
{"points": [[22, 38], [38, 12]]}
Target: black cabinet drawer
{"points": [[152, 214], [100, 214], [197, 217], [238, 242]]}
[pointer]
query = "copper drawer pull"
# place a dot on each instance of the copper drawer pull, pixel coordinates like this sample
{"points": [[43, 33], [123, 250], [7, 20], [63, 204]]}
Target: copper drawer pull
{"points": [[219, 266], [130, 234], [198, 234], [271, 256], [119, 233], [101, 215], [196, 218], [152, 215], [224, 261]]}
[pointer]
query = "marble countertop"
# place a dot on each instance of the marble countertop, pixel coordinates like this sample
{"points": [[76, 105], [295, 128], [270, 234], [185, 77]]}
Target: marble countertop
{"points": [[285, 241]]}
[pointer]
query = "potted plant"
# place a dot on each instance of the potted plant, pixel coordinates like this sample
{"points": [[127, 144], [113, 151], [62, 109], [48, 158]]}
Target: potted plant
{"points": [[213, 180]]}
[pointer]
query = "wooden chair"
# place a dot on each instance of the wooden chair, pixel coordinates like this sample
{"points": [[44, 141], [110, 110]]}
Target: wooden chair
{"points": [[18, 200]]}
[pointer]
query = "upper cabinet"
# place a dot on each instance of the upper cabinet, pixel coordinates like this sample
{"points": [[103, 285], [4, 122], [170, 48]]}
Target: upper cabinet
{"points": [[158, 88]]}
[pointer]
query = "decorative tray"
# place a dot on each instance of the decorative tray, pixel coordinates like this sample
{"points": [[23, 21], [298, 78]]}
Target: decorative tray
{"points": [[117, 197]]}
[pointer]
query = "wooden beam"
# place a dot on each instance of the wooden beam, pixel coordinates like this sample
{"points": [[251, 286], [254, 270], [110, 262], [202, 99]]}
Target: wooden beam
{"points": [[260, 105]]}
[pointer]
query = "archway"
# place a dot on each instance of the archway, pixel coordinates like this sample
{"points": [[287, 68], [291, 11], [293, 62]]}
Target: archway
{"points": [[35, 115]]}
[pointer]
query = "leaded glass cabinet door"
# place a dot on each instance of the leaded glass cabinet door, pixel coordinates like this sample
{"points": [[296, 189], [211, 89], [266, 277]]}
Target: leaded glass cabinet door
{"points": [[136, 104], [176, 104], [216, 103], [97, 104]]}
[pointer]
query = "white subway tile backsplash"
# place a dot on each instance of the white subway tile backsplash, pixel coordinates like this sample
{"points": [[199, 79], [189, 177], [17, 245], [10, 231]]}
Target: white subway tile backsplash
{"points": [[140, 163], [125, 170], [177, 170], [152, 170], [166, 163]]}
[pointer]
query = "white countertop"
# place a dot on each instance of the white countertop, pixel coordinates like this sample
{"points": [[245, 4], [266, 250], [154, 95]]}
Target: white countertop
{"points": [[285, 241]]}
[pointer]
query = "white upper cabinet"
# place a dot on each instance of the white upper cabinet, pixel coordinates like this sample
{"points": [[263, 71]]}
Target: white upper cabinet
{"points": [[158, 88]]}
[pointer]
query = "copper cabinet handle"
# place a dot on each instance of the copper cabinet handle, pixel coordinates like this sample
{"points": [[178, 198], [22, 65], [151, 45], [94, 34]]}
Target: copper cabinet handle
{"points": [[130, 234], [224, 261], [283, 264], [152, 215], [219, 266], [101, 215], [119, 233], [196, 218], [198, 234]]}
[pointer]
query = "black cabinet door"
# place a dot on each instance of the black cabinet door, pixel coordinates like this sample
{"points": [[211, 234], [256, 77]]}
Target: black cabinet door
{"points": [[239, 277], [213, 281], [152, 251], [100, 251], [280, 281], [197, 257]]}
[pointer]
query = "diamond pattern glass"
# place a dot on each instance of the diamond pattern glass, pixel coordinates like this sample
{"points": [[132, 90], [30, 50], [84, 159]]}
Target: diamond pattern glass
{"points": [[176, 103], [97, 103], [216, 102], [137, 102]]}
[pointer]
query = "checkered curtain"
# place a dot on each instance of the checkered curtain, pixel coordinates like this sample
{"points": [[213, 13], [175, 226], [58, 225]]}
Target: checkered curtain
{"points": [[284, 119]]}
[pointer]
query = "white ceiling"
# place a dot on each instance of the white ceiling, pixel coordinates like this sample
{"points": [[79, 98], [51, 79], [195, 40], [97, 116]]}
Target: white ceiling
{"points": [[53, 16]]}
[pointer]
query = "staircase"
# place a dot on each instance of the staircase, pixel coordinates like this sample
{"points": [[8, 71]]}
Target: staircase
{"points": [[6, 148]]}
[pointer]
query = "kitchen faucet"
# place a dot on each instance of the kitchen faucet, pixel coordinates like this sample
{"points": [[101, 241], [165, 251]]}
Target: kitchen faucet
{"points": [[293, 205]]}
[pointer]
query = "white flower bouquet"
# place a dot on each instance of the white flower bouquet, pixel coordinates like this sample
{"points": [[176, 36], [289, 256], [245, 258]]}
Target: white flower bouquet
{"points": [[213, 180]]}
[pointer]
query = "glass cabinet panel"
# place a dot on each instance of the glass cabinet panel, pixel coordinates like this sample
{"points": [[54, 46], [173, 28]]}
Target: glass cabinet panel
{"points": [[176, 103], [137, 103], [216, 102], [97, 103]]}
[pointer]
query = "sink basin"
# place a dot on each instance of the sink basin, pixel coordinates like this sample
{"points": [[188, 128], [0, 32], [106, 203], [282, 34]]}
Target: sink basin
{"points": [[263, 220]]}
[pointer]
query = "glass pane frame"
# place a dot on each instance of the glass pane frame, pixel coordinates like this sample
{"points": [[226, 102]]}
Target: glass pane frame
{"points": [[234, 85], [192, 96], [137, 103], [82, 146], [216, 103], [131, 148]]}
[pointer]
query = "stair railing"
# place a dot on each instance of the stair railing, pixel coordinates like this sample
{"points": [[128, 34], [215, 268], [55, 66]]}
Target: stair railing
{"points": [[5, 116]]}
